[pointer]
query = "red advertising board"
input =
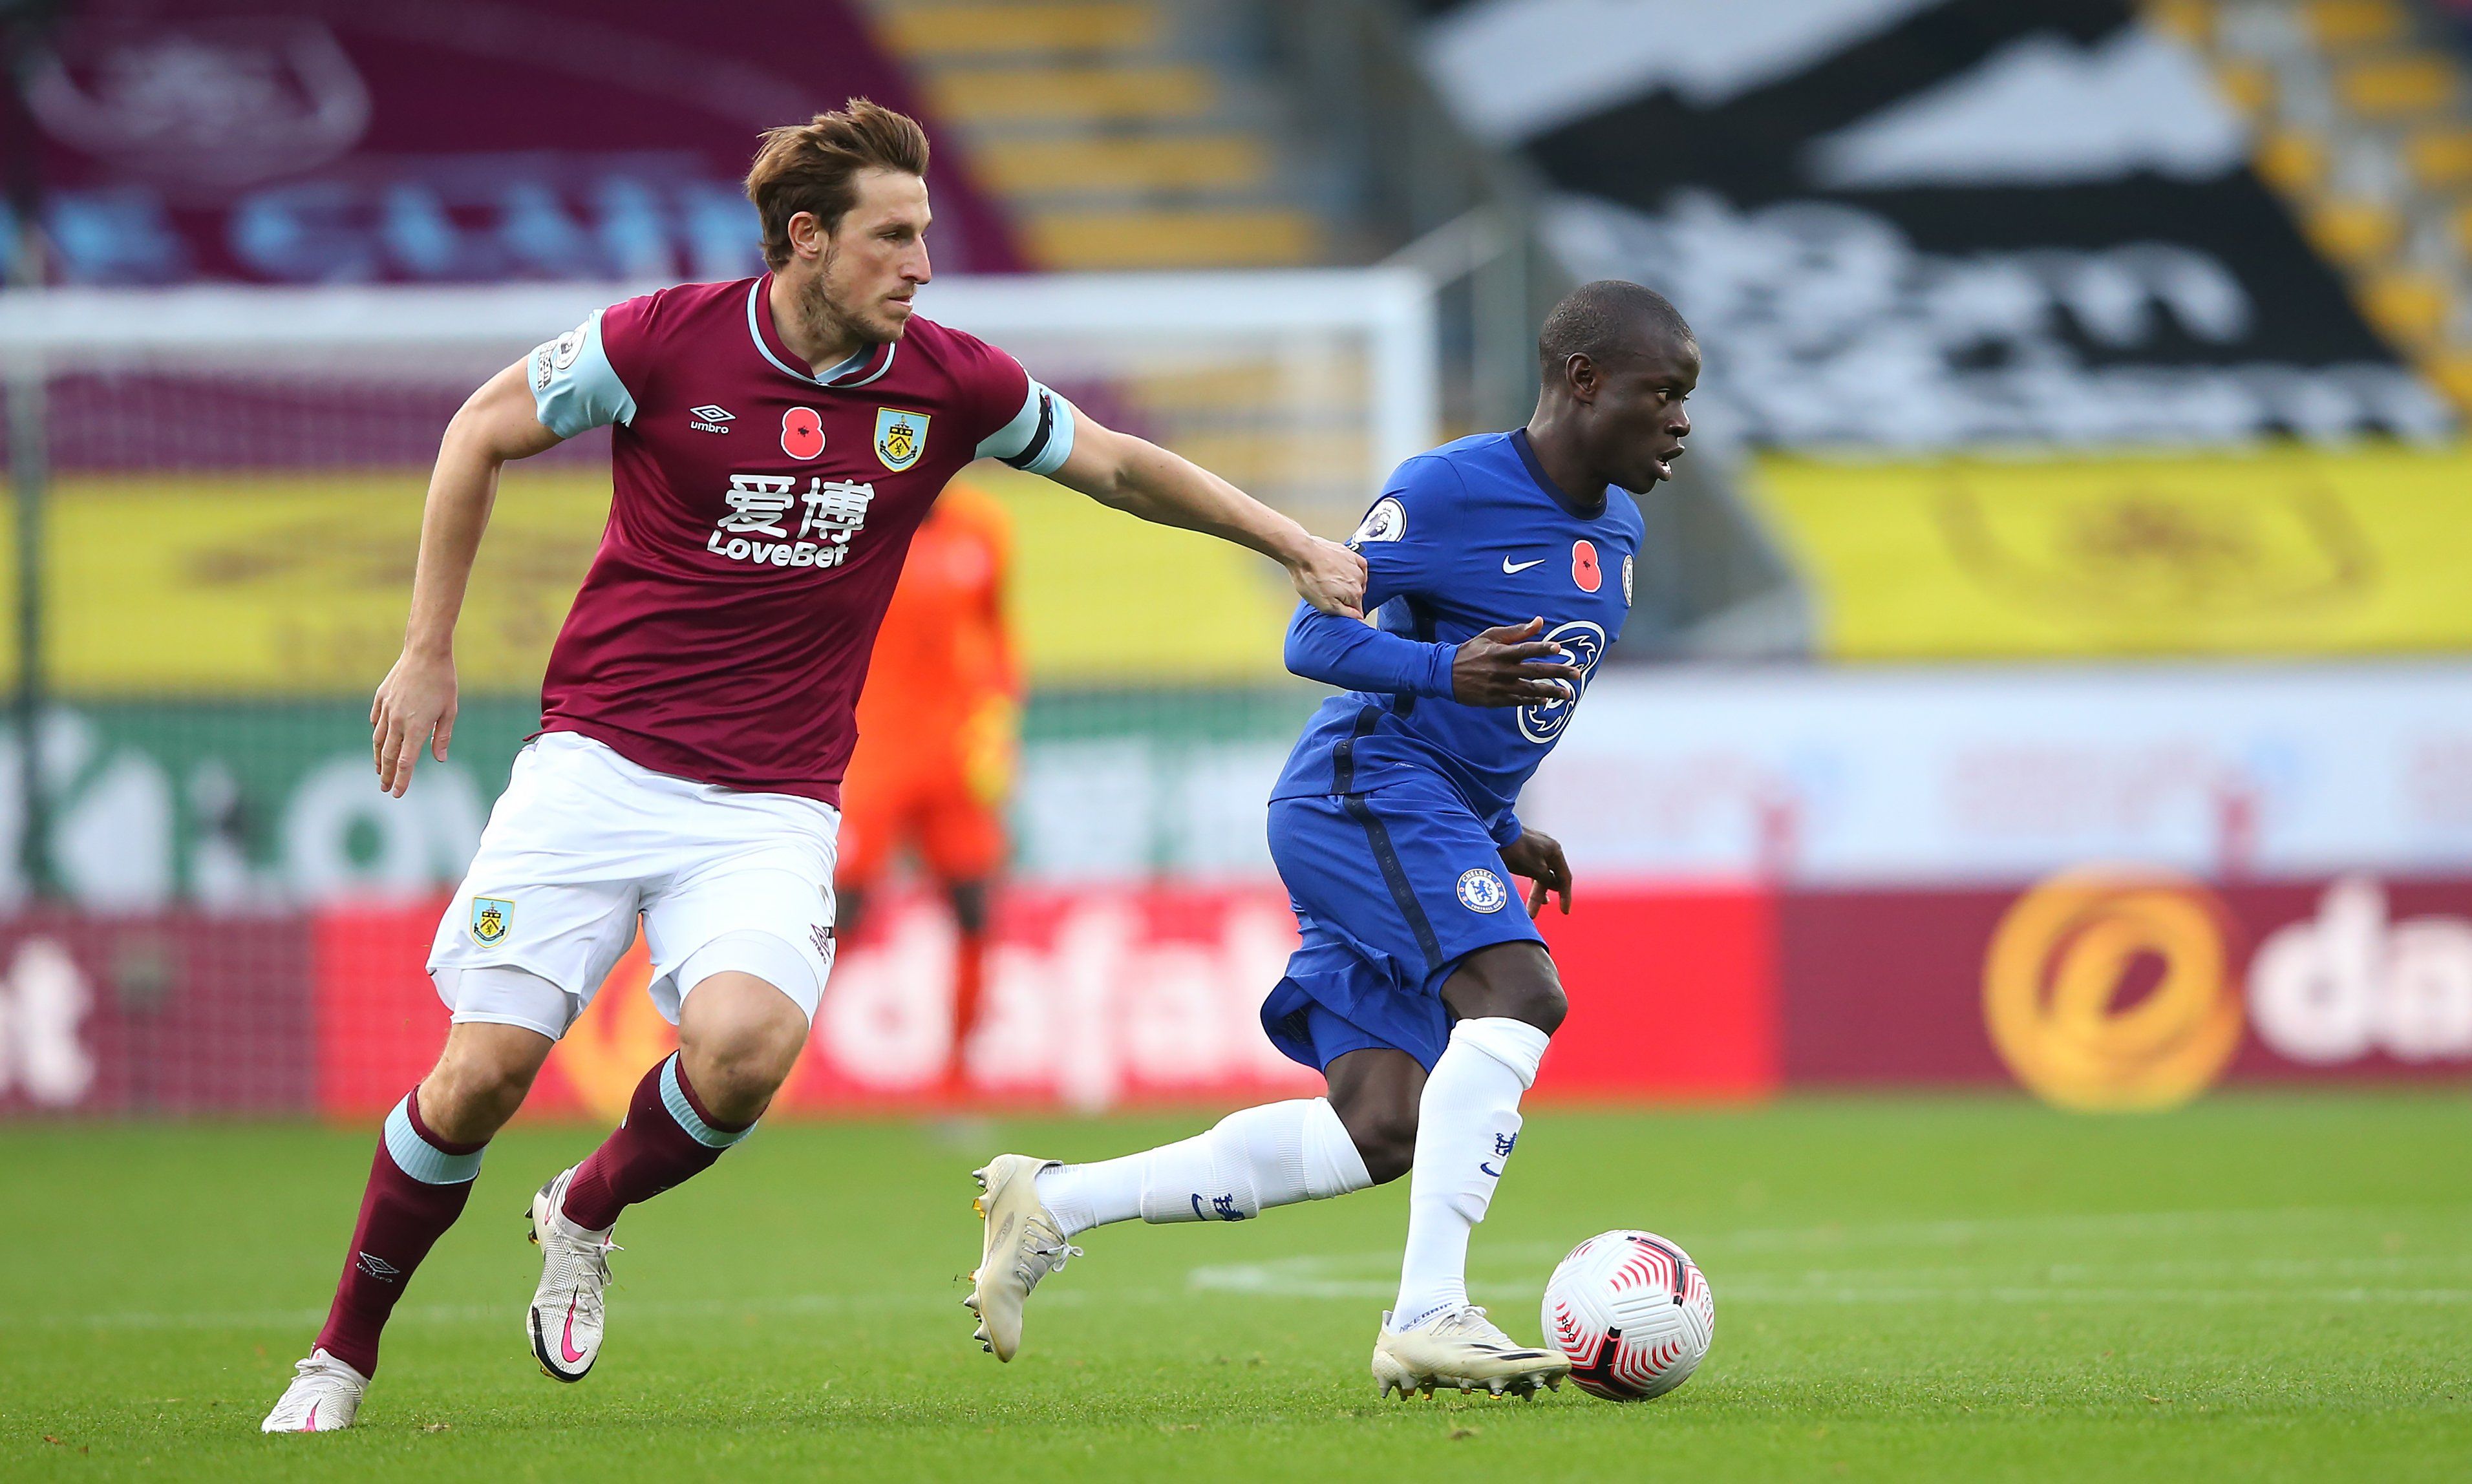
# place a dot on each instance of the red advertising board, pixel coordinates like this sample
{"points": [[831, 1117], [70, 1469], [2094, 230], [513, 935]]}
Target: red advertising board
{"points": [[2118, 988], [174, 1013], [1094, 999], [2128, 987]]}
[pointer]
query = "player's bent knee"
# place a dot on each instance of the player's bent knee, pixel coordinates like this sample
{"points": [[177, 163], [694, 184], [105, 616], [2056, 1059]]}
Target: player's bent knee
{"points": [[1386, 1142], [741, 1028], [1511, 981], [481, 1078]]}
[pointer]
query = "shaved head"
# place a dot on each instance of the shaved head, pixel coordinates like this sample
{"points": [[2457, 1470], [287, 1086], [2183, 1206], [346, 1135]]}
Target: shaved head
{"points": [[1607, 320]]}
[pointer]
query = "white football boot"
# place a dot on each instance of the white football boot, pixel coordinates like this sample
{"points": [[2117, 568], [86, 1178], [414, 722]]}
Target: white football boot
{"points": [[1459, 1347], [1023, 1243], [324, 1396], [566, 1319]]}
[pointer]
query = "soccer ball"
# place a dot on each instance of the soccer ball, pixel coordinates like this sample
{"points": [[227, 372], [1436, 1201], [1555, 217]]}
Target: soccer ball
{"points": [[1632, 1312]]}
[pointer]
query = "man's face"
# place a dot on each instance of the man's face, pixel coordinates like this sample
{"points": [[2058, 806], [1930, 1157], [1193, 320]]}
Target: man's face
{"points": [[1639, 422], [876, 259]]}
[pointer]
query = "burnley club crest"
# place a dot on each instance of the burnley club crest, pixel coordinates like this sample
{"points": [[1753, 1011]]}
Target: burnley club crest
{"points": [[900, 437]]}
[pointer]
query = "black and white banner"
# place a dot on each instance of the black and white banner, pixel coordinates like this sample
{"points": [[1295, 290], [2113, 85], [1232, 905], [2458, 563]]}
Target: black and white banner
{"points": [[1925, 224]]}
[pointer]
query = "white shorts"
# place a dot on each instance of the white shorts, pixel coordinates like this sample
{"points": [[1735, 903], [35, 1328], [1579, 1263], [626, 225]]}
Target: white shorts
{"points": [[582, 841]]}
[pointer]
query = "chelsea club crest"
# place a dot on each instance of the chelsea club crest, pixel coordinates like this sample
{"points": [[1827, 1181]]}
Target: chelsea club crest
{"points": [[900, 437], [1482, 892], [491, 917]]}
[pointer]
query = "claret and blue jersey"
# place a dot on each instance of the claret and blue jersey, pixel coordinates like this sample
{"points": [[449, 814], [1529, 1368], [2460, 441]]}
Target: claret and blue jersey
{"points": [[1389, 819]]}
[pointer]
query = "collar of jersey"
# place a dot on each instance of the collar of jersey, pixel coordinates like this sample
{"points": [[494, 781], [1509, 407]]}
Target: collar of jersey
{"points": [[870, 363], [1545, 480]]}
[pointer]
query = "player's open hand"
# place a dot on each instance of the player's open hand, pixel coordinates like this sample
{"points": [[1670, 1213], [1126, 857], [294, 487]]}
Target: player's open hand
{"points": [[1330, 577], [1539, 859], [414, 709], [1511, 667]]}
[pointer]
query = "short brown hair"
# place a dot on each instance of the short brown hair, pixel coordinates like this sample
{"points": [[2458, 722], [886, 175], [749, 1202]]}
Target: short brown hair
{"points": [[814, 166]]}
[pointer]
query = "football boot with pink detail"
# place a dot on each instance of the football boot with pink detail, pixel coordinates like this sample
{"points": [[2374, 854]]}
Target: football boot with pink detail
{"points": [[566, 1320], [324, 1396]]}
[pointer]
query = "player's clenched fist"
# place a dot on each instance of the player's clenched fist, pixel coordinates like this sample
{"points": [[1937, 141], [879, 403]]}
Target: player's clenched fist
{"points": [[1511, 667], [1330, 577]]}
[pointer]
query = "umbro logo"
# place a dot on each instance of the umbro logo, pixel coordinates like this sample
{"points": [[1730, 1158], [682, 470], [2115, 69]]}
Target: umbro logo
{"points": [[1512, 568], [378, 1268], [709, 417]]}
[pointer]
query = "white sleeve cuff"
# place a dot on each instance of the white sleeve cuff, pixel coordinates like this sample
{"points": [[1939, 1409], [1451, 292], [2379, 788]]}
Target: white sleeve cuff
{"points": [[1038, 440]]}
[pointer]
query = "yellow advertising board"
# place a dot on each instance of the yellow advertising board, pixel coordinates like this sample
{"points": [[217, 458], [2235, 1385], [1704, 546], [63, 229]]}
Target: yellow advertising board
{"points": [[296, 584], [2283, 552]]}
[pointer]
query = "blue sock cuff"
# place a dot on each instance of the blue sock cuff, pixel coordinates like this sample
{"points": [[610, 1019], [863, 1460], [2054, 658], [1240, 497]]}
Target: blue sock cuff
{"points": [[673, 1097], [422, 1159]]}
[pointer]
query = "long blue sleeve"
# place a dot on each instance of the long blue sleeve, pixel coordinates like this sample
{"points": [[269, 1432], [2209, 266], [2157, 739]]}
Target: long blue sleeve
{"points": [[1356, 657]]}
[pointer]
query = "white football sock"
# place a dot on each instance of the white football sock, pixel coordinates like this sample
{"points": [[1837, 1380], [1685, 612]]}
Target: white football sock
{"points": [[1467, 1123], [1273, 1155]]}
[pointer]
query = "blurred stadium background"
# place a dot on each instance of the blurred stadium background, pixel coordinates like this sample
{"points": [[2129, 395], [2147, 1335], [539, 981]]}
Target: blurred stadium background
{"points": [[2052, 668]]}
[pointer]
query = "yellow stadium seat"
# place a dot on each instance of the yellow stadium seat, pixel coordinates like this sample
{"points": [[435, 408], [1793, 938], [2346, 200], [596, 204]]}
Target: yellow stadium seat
{"points": [[1234, 238], [930, 31], [2249, 86], [2398, 85], [2292, 163], [2352, 232], [2441, 158], [982, 95], [2408, 308], [2451, 371], [2345, 23], [1169, 162], [2190, 20]]}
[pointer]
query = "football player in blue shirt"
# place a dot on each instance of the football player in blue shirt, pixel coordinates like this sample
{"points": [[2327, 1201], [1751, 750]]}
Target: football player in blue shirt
{"points": [[1500, 571]]}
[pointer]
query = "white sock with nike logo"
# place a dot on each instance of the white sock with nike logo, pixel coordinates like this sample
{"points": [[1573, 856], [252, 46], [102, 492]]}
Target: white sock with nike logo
{"points": [[1255, 1158], [1467, 1123]]}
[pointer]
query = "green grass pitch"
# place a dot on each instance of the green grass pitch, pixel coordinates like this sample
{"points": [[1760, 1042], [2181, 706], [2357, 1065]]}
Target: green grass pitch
{"points": [[2258, 1288]]}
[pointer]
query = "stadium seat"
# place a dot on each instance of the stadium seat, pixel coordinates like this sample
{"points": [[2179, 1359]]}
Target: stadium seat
{"points": [[2399, 87], [1120, 133], [2408, 308], [1220, 238], [2441, 158], [967, 30], [2343, 23], [1173, 162]]}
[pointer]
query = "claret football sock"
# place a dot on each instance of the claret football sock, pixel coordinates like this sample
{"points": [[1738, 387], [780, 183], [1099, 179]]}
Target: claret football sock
{"points": [[418, 1185], [1254, 1159], [1467, 1123], [668, 1136]]}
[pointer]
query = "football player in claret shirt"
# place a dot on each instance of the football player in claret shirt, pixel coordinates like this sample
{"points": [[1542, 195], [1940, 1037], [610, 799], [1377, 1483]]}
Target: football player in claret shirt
{"points": [[775, 443], [1501, 570]]}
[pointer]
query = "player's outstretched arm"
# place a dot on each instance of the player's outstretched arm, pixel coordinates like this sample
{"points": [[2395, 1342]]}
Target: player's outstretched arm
{"points": [[1142, 479], [415, 703]]}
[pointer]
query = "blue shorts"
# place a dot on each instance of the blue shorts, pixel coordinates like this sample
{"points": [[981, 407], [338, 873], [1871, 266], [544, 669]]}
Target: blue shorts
{"points": [[1391, 887]]}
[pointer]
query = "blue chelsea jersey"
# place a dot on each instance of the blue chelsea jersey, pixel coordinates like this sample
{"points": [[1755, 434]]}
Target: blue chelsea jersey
{"points": [[1470, 537]]}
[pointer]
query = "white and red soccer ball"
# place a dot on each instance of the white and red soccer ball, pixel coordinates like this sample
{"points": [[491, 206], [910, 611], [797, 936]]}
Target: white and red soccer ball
{"points": [[1632, 1312]]}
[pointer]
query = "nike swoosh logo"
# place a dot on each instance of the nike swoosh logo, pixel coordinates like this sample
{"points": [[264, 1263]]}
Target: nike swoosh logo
{"points": [[1512, 568], [1488, 1169], [309, 1423], [566, 1337]]}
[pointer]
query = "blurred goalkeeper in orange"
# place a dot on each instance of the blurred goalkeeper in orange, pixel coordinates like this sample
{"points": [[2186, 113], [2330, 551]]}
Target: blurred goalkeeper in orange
{"points": [[937, 732]]}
